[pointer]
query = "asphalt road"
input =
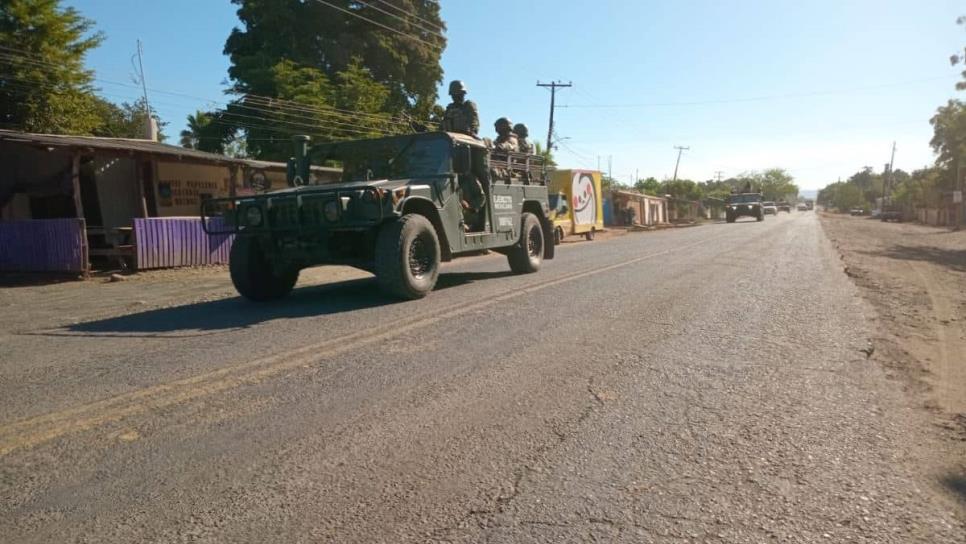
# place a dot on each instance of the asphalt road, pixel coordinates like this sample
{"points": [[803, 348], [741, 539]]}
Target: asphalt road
{"points": [[701, 384]]}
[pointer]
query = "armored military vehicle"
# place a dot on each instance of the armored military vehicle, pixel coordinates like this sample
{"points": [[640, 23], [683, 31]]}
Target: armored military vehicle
{"points": [[404, 205], [744, 205]]}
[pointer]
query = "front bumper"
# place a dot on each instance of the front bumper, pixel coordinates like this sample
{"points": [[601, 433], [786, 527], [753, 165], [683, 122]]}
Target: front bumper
{"points": [[295, 214]]}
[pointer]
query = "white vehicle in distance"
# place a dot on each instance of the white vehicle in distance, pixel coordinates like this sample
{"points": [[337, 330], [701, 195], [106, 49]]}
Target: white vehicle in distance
{"points": [[769, 208]]}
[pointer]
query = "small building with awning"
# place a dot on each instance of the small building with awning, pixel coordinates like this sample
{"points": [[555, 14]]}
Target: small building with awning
{"points": [[69, 201]]}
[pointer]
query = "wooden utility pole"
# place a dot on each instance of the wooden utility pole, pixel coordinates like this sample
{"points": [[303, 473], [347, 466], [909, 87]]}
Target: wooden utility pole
{"points": [[553, 85], [678, 163]]}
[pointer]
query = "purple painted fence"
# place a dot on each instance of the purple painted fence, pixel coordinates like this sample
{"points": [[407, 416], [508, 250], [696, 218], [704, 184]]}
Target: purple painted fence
{"points": [[166, 242], [43, 245]]}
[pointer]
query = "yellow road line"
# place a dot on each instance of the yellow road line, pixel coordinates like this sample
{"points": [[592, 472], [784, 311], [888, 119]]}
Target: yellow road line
{"points": [[37, 430]]}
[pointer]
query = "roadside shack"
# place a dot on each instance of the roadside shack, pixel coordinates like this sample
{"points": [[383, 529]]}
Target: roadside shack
{"points": [[70, 202], [636, 209]]}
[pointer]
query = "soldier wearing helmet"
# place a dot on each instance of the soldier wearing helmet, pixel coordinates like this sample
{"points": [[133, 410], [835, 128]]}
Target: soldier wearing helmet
{"points": [[506, 140], [523, 142], [460, 115]]}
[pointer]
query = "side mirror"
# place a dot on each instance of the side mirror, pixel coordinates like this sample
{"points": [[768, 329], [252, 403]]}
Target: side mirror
{"points": [[462, 159]]}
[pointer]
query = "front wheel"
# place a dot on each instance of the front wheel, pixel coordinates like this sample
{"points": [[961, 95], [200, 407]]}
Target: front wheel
{"points": [[526, 256], [407, 257], [255, 276], [558, 235], [761, 216]]}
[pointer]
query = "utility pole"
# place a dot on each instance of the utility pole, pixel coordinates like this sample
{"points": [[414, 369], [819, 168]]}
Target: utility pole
{"points": [[892, 161], [554, 85], [144, 87], [718, 174], [598, 163], [678, 163]]}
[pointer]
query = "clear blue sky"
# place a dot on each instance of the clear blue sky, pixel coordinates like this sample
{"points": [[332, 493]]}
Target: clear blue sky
{"points": [[820, 87]]}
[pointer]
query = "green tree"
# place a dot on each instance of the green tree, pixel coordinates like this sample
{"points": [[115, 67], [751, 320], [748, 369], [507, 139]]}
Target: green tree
{"points": [[208, 132], [125, 120], [44, 86], [960, 59], [648, 186], [949, 133], [337, 74], [547, 154]]}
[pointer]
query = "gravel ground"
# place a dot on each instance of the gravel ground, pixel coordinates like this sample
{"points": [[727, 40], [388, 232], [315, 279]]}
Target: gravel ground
{"points": [[692, 385]]}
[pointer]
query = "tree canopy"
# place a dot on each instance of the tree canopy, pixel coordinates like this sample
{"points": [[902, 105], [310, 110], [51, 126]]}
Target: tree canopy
{"points": [[332, 72], [44, 85]]}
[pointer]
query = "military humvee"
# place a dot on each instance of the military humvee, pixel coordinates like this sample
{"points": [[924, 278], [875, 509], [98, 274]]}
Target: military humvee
{"points": [[398, 212], [744, 205]]}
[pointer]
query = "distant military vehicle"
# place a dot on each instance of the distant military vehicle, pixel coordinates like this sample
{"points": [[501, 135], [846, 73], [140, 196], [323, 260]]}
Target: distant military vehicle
{"points": [[403, 206], [744, 205], [784, 206]]}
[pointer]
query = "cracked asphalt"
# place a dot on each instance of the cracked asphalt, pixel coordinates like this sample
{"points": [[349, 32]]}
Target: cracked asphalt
{"points": [[692, 385]]}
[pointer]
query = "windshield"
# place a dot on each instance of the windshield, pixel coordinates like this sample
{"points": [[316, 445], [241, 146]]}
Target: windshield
{"points": [[743, 199], [389, 158]]}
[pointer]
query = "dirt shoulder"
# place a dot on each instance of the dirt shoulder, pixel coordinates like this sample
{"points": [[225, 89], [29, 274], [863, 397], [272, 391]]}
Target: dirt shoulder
{"points": [[915, 278]]}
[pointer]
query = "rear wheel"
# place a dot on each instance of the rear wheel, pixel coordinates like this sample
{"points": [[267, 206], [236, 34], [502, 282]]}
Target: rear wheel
{"points": [[589, 235], [761, 216], [558, 235], [526, 256], [254, 275], [407, 257]]}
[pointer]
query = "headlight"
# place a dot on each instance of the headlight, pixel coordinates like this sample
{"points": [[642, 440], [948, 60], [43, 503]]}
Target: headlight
{"points": [[253, 216], [331, 211]]}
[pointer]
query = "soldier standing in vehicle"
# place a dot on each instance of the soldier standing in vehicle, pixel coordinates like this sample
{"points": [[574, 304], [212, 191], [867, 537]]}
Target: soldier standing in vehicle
{"points": [[506, 140], [460, 115], [523, 141]]}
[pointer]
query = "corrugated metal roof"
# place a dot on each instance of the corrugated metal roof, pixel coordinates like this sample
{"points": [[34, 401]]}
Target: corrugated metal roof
{"points": [[637, 195], [129, 145]]}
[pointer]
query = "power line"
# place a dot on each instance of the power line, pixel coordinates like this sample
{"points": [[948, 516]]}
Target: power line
{"points": [[761, 98], [435, 33], [387, 27], [438, 26]]}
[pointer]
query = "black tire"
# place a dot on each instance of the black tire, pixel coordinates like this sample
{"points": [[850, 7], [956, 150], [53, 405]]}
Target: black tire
{"points": [[558, 235], [526, 256], [254, 276], [589, 235], [730, 218], [407, 257], [761, 216]]}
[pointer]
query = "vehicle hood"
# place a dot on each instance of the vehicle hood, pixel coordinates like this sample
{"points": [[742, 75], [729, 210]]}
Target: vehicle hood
{"points": [[388, 184]]}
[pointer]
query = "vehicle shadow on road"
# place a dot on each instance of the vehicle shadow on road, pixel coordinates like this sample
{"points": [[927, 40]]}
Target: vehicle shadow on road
{"points": [[952, 259], [234, 313], [457, 279], [203, 318]]}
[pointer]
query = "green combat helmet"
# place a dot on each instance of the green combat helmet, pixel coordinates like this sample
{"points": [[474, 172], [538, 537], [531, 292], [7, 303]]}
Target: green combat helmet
{"points": [[521, 130], [460, 115], [457, 86]]}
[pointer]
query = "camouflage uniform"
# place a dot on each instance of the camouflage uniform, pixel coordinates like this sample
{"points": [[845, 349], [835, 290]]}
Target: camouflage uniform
{"points": [[461, 115], [524, 144], [506, 140]]}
